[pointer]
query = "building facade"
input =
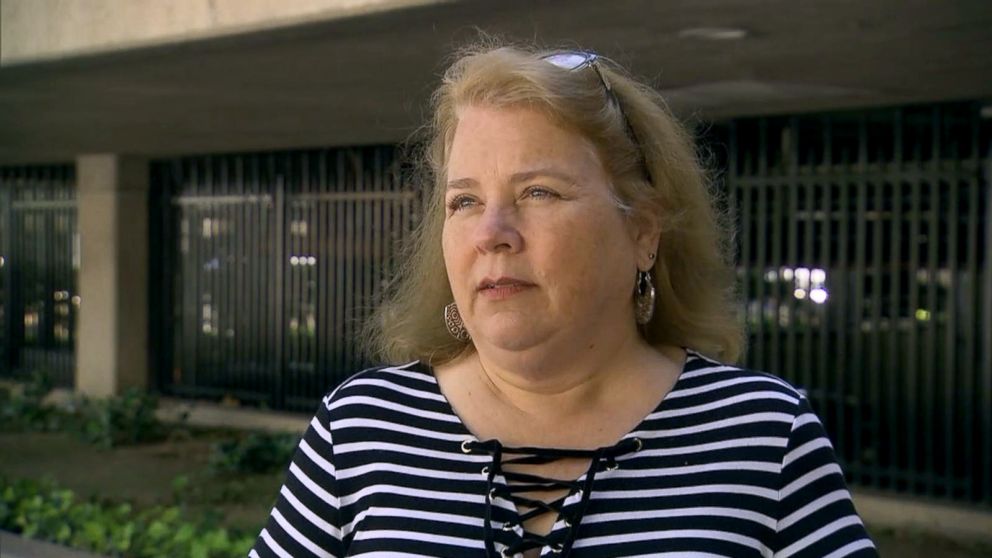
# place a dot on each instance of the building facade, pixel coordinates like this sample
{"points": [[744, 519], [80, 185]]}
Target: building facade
{"points": [[207, 206]]}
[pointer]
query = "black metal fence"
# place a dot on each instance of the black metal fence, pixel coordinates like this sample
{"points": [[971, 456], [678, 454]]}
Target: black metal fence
{"points": [[865, 241], [38, 265], [268, 264], [864, 255]]}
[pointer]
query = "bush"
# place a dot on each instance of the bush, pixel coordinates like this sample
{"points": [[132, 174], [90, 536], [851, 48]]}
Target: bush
{"points": [[258, 452], [42, 510], [125, 420], [114, 421], [23, 409]]}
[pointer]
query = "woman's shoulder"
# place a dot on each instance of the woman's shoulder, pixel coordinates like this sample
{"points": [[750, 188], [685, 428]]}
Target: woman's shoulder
{"points": [[411, 378], [410, 386], [702, 375]]}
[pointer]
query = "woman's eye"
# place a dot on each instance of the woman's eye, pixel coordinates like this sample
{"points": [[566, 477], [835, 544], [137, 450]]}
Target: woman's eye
{"points": [[460, 202], [537, 192]]}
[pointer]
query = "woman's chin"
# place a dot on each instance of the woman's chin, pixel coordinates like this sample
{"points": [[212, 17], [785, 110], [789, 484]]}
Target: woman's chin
{"points": [[511, 337]]}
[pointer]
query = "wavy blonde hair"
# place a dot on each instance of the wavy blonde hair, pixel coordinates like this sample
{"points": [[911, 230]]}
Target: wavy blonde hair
{"points": [[696, 300]]}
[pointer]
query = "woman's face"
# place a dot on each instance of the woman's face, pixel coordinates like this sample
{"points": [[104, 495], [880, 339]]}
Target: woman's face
{"points": [[535, 247]]}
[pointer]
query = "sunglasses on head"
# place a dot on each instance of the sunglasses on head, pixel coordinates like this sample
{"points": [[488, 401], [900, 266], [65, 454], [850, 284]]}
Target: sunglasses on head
{"points": [[577, 60]]}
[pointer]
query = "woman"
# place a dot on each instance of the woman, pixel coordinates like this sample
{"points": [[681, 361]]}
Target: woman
{"points": [[563, 287]]}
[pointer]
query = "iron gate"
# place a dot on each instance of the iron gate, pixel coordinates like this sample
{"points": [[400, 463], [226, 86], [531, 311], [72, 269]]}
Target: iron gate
{"points": [[39, 261], [271, 262], [864, 255]]}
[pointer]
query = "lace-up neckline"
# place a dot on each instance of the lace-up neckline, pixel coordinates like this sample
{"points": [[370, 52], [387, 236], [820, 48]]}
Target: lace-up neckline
{"points": [[519, 484]]}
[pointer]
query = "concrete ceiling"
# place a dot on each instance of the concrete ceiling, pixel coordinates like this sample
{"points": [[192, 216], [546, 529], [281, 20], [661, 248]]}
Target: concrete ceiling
{"points": [[365, 80]]}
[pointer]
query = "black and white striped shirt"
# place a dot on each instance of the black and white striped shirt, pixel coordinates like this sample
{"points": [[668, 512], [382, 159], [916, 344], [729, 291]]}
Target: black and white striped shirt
{"points": [[731, 463]]}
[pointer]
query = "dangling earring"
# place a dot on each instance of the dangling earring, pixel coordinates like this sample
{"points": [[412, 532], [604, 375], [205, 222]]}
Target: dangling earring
{"points": [[644, 297], [453, 321]]}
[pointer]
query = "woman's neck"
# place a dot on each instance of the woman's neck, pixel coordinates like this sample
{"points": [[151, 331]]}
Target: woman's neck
{"points": [[538, 383]]}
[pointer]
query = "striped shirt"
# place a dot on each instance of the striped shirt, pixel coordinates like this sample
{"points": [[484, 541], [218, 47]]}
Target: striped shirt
{"points": [[731, 463]]}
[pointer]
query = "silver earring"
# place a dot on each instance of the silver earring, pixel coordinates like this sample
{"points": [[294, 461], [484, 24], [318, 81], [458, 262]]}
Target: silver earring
{"points": [[453, 321], [644, 297]]}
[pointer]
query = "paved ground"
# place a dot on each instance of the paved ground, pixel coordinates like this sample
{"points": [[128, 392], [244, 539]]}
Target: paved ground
{"points": [[12, 546]]}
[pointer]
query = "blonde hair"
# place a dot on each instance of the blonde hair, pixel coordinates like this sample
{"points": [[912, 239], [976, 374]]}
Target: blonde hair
{"points": [[696, 301]]}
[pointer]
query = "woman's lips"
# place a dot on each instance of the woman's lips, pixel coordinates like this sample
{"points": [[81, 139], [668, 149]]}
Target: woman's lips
{"points": [[502, 288]]}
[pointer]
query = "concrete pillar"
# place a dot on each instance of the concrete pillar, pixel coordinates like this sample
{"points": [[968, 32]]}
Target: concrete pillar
{"points": [[112, 339]]}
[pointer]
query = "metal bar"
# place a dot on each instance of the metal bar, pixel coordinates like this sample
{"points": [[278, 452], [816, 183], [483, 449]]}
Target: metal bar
{"points": [[212, 201], [972, 318], [860, 257], [807, 259], [933, 241], [792, 256], [261, 265], [6, 277], [371, 195], [827, 366], [278, 332], [292, 289], [779, 290], [755, 272], [951, 371], [340, 262], [242, 304], [190, 284], [43, 204], [895, 310], [329, 267], [873, 173], [308, 385], [368, 249], [985, 369], [228, 365], [913, 379], [839, 293]]}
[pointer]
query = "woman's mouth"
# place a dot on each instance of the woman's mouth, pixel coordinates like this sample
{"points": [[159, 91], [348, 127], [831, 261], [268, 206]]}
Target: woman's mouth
{"points": [[502, 288]]}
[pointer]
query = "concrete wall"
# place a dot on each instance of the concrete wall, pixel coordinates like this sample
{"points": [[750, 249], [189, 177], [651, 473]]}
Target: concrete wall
{"points": [[34, 30]]}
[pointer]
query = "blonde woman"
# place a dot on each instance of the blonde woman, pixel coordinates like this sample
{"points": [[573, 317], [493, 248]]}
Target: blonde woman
{"points": [[552, 317]]}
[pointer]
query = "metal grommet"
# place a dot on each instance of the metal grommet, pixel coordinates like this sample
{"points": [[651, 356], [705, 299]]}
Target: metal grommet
{"points": [[465, 448], [567, 523], [485, 471], [508, 526], [557, 548], [505, 553], [640, 444], [613, 466], [492, 494]]}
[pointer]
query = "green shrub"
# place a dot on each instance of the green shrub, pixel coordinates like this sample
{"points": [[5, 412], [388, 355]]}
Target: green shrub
{"points": [[124, 420], [108, 422], [23, 409], [42, 510], [257, 452]]}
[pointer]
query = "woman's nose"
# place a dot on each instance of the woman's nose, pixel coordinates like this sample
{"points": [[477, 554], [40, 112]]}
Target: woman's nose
{"points": [[497, 231]]}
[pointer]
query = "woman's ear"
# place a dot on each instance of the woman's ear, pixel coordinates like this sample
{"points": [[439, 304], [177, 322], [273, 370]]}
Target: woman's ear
{"points": [[647, 236]]}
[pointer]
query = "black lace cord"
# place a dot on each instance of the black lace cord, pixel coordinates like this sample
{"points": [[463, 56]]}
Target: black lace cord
{"points": [[494, 468], [594, 467], [563, 545], [535, 482]]}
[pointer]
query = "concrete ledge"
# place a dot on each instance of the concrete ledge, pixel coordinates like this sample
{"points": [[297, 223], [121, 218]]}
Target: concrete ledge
{"points": [[204, 413], [957, 522], [16, 546], [198, 413]]}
